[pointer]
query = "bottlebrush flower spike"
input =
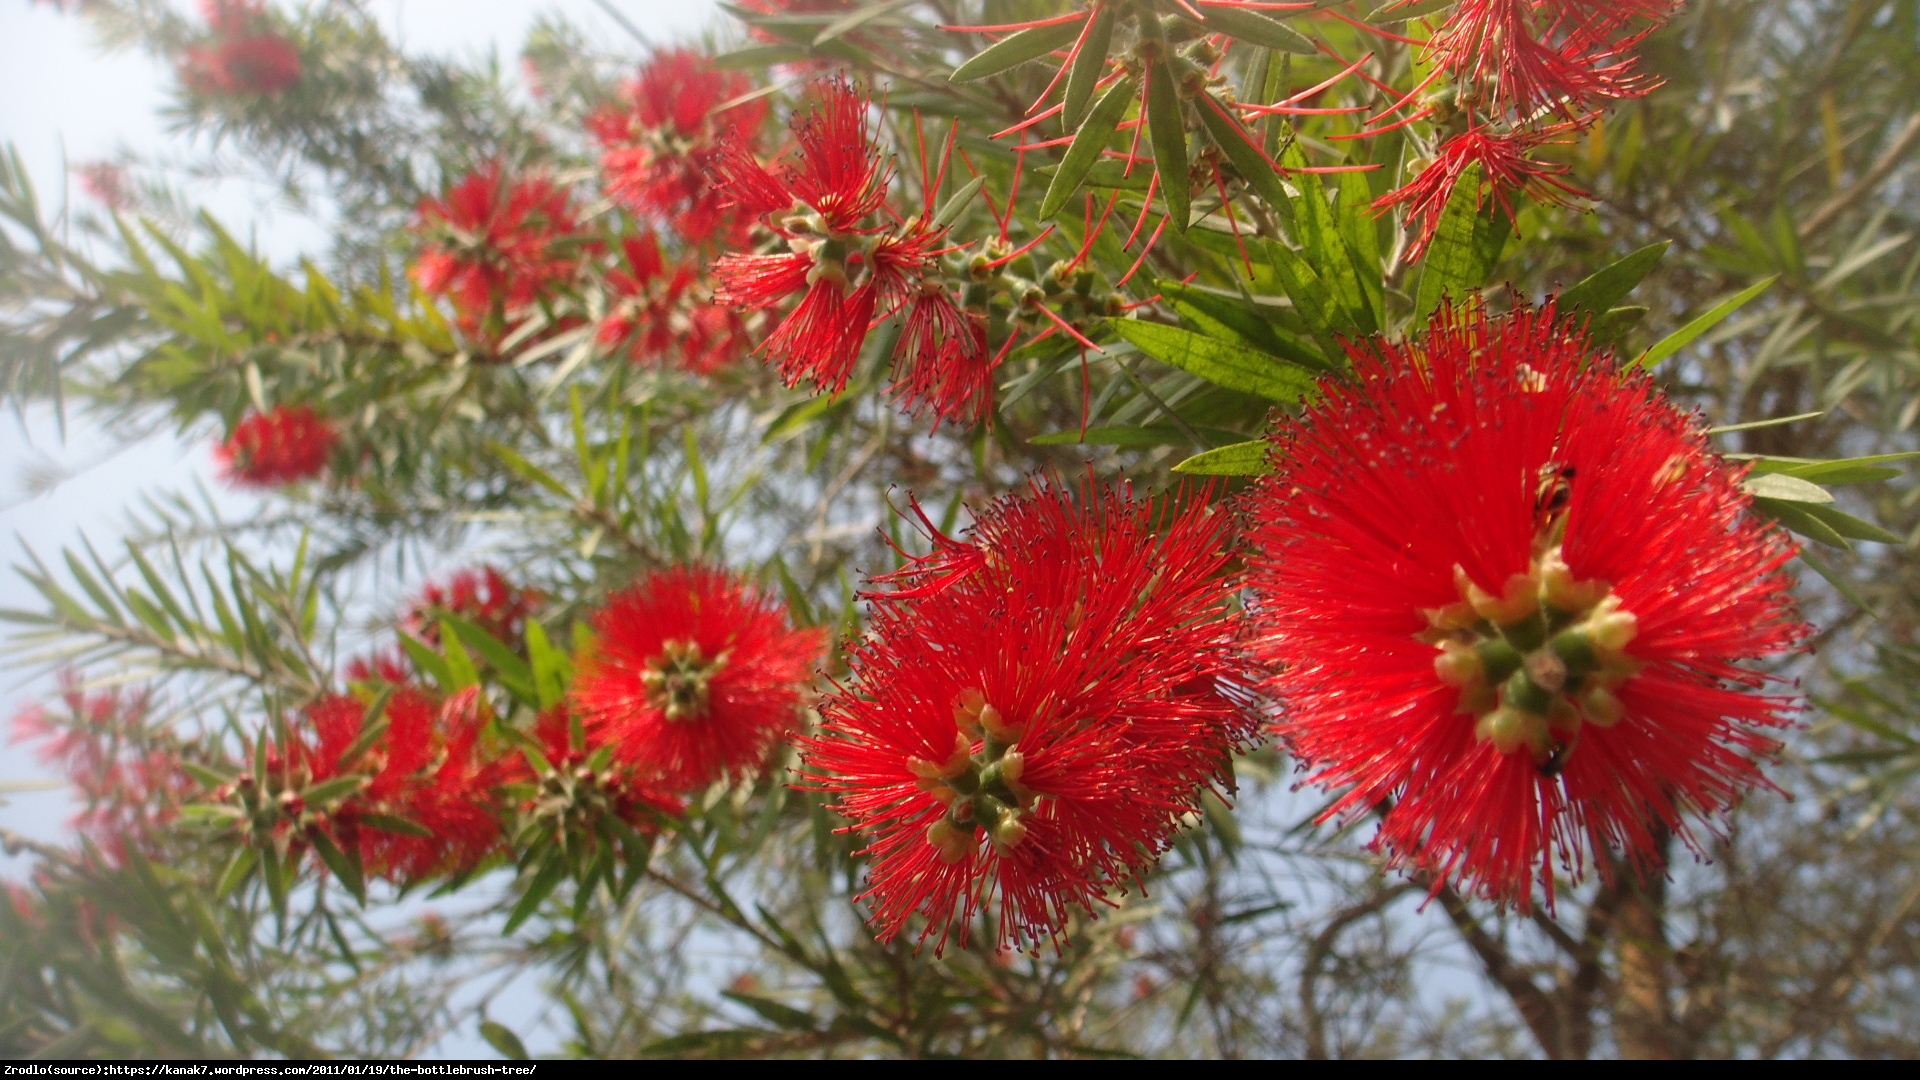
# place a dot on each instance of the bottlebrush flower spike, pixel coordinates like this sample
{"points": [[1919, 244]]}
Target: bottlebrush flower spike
{"points": [[495, 247], [1509, 595], [484, 597], [658, 316], [1031, 733], [286, 444], [1506, 169], [1565, 56], [823, 200], [130, 782], [693, 676], [243, 55], [658, 147], [426, 769]]}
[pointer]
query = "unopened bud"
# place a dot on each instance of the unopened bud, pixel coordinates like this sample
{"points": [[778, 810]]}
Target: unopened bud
{"points": [[953, 843], [1008, 831], [1562, 591], [1458, 666], [1506, 728], [998, 727], [1610, 627], [1600, 707]]}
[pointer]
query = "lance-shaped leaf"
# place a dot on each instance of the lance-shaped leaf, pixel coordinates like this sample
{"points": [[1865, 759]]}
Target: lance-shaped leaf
{"points": [[1684, 336], [1247, 158], [1167, 131], [1088, 63], [1087, 145], [1257, 29], [1240, 459], [1016, 49], [1603, 290], [1222, 363], [1465, 247]]}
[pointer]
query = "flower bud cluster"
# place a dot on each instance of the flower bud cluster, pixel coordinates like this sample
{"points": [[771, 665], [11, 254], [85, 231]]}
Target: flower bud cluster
{"points": [[1537, 661]]}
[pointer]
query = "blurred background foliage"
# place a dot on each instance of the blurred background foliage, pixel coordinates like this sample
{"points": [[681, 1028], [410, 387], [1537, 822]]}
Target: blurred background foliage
{"points": [[1782, 144]]}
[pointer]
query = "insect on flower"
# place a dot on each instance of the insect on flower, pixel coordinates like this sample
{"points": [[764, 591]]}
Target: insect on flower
{"points": [[1510, 598]]}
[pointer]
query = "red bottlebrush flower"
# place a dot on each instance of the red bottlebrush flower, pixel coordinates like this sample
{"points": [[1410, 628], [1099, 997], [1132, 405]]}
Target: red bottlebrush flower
{"points": [[946, 367], [1034, 713], [824, 198], [693, 676], [286, 444], [1505, 169], [1509, 592], [1560, 55], [483, 597], [129, 780], [495, 247], [426, 769], [657, 315], [659, 147]]}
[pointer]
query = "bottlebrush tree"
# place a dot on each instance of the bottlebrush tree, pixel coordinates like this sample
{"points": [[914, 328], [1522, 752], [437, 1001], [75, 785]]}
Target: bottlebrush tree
{"points": [[905, 484]]}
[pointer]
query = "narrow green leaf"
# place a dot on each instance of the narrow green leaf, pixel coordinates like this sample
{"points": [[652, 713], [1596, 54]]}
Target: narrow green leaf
{"points": [[552, 870], [958, 202], [1323, 248], [460, 665], [1613, 324], [237, 870], [428, 661], [337, 861], [514, 673], [1256, 29], [502, 1038], [1223, 363], [1754, 424], [1851, 527], [1092, 138], [1779, 486], [528, 470], [1088, 65], [1685, 336], [1240, 459], [1859, 470], [1125, 436], [1795, 517], [850, 21], [549, 666], [1167, 131], [1016, 49], [324, 794], [1605, 288], [1247, 157], [1465, 247], [784, 1016]]}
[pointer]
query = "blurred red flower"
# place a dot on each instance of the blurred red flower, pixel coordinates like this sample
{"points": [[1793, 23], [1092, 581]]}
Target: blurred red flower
{"points": [[429, 803], [659, 144], [496, 246], [657, 313], [1565, 56], [1509, 596], [286, 444], [482, 596]]}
